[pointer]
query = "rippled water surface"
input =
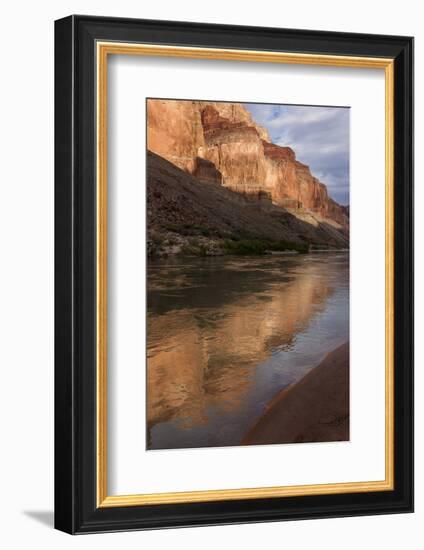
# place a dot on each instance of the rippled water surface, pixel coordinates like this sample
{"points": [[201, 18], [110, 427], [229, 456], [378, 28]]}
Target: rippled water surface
{"points": [[225, 334]]}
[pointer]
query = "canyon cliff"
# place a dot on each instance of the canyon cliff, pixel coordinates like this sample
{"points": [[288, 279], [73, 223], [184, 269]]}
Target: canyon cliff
{"points": [[220, 142], [213, 173]]}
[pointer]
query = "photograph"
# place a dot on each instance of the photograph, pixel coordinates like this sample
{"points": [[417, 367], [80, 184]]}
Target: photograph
{"points": [[233, 259], [209, 309], [247, 273]]}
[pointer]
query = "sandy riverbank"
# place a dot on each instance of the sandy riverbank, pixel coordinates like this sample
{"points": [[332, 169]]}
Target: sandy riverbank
{"points": [[314, 409]]}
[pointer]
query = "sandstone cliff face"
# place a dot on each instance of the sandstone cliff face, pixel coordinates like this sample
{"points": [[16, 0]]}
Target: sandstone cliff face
{"points": [[219, 142]]}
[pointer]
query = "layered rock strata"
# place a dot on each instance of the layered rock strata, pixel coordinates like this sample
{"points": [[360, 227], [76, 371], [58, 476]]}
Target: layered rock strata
{"points": [[221, 143]]}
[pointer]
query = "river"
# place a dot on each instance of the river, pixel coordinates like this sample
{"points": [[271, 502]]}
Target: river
{"points": [[226, 334]]}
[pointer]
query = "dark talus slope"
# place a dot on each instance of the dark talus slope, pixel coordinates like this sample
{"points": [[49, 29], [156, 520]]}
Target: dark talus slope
{"points": [[181, 204]]}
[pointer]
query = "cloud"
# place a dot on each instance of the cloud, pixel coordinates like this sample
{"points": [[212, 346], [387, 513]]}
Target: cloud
{"points": [[318, 135]]}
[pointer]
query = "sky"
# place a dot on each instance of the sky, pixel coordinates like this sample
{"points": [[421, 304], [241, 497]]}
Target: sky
{"points": [[319, 137]]}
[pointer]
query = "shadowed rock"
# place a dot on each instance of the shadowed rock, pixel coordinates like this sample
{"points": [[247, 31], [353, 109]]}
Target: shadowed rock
{"points": [[176, 200]]}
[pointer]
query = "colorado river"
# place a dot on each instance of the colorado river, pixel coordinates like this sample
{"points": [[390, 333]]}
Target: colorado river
{"points": [[226, 334]]}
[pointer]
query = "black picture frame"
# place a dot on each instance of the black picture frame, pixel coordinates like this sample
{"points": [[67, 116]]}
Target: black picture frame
{"points": [[76, 510]]}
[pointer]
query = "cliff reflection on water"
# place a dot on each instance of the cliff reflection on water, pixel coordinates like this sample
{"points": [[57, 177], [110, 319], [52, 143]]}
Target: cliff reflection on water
{"points": [[225, 334]]}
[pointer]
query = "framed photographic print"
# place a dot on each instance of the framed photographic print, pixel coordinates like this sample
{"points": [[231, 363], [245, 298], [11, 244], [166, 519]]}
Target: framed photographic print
{"points": [[233, 274]]}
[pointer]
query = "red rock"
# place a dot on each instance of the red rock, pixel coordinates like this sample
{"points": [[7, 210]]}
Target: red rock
{"points": [[277, 153], [220, 142]]}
